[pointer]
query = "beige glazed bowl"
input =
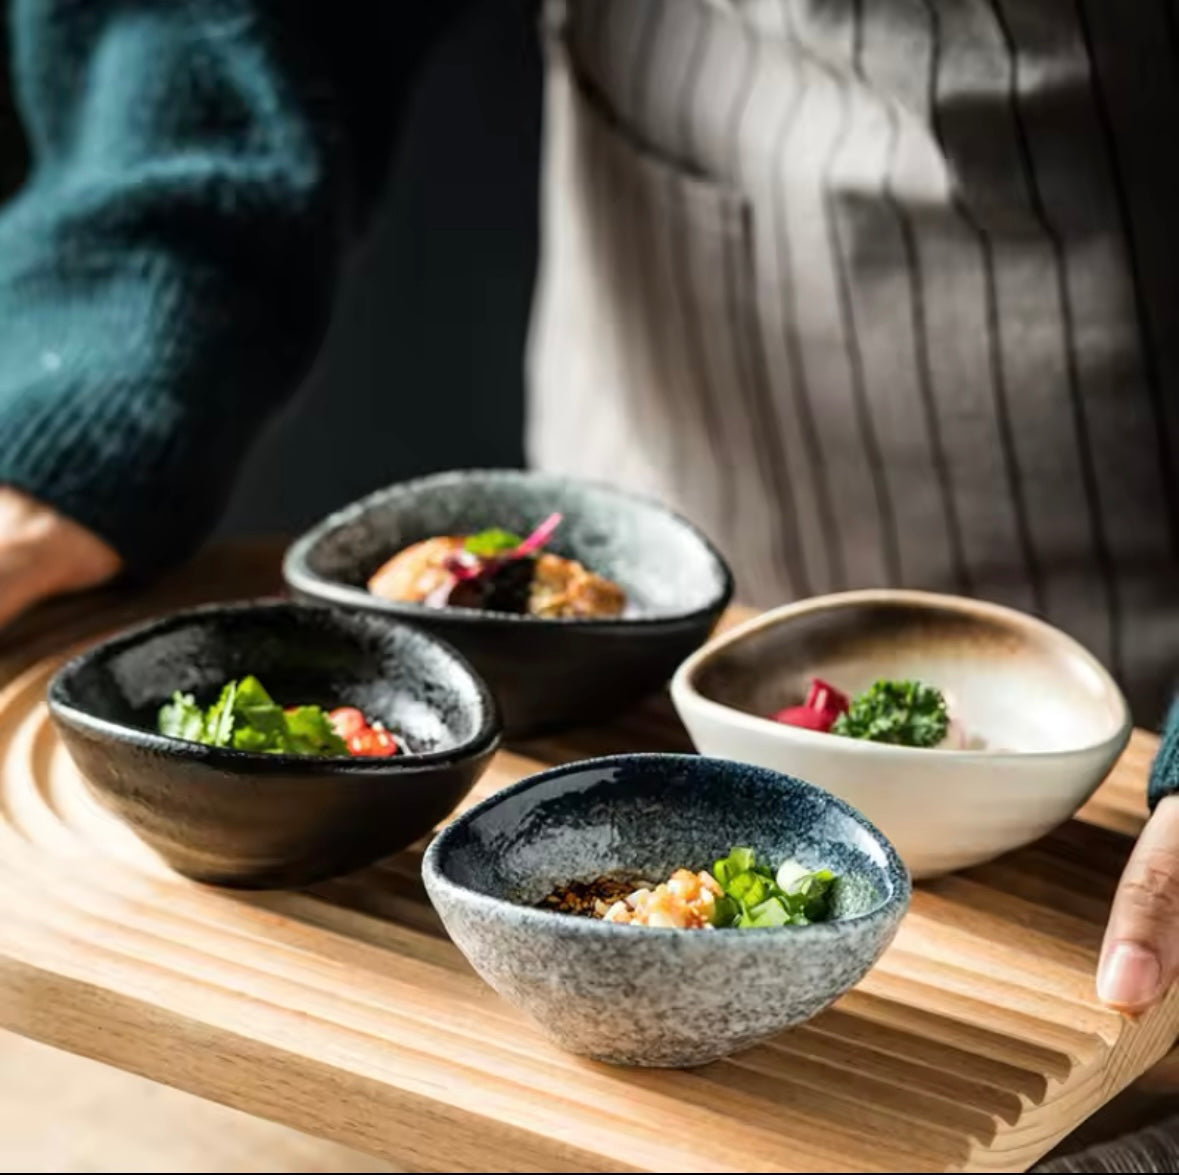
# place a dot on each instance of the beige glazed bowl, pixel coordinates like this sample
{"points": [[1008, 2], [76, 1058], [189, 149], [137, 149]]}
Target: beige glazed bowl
{"points": [[1052, 719]]}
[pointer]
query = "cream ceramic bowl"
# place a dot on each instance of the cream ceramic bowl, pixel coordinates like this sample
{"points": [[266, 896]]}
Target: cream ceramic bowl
{"points": [[1052, 718]]}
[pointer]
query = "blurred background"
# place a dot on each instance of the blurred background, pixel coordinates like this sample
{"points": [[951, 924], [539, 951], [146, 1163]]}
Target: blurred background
{"points": [[426, 344], [423, 366]]}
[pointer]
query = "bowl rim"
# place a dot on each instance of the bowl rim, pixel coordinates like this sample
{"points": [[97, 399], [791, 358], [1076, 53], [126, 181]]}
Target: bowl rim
{"points": [[484, 740], [301, 578], [888, 911], [687, 696]]}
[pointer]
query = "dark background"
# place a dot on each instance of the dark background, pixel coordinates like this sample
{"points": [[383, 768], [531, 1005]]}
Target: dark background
{"points": [[423, 366]]}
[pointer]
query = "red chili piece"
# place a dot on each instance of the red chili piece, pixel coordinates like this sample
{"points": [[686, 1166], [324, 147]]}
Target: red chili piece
{"points": [[372, 743], [362, 739], [823, 705], [347, 720]]}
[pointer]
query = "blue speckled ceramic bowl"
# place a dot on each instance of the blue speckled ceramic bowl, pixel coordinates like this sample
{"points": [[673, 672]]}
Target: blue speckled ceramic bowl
{"points": [[640, 996]]}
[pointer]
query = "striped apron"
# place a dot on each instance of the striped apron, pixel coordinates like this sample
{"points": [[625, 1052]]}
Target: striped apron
{"points": [[879, 293]]}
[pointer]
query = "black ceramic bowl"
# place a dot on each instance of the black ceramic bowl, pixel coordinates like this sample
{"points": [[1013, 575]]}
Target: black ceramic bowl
{"points": [[546, 674], [237, 818]]}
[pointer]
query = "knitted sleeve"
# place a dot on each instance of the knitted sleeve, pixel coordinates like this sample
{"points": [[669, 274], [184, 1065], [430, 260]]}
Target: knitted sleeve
{"points": [[1164, 774], [1154, 1148], [166, 271]]}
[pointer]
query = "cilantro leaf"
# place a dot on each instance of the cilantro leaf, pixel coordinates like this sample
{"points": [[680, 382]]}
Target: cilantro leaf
{"points": [[252, 694], [904, 713], [218, 730], [491, 542], [181, 718], [311, 732], [259, 723], [246, 718], [246, 738]]}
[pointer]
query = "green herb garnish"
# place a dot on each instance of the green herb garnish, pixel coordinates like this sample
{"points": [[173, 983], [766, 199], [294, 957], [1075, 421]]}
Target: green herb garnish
{"points": [[906, 713], [246, 718], [182, 718], [755, 897], [491, 542]]}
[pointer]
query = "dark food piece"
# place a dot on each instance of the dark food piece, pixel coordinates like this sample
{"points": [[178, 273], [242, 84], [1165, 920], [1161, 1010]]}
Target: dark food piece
{"points": [[504, 587], [496, 571], [582, 897]]}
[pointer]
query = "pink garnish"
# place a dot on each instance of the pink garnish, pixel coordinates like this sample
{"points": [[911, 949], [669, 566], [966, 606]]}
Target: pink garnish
{"points": [[464, 565], [824, 704], [805, 717], [822, 696], [537, 538]]}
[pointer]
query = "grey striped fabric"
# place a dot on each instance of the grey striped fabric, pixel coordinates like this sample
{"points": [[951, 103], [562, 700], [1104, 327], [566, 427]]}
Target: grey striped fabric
{"points": [[879, 292], [1154, 1149]]}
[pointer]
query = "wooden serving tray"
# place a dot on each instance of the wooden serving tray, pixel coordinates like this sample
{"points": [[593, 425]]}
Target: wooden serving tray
{"points": [[342, 1010]]}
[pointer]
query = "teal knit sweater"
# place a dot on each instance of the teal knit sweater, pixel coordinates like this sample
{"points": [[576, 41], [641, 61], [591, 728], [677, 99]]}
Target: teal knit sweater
{"points": [[198, 168]]}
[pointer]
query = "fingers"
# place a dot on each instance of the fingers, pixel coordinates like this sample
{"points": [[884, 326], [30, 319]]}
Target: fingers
{"points": [[20, 582], [43, 553], [1140, 955]]}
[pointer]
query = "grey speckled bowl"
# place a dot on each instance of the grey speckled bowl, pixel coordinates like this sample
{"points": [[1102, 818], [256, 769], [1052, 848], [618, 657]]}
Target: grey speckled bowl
{"points": [[640, 996], [546, 674], [235, 818]]}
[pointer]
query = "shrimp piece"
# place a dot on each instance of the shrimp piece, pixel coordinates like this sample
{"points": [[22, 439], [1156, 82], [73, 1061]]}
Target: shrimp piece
{"points": [[417, 570]]}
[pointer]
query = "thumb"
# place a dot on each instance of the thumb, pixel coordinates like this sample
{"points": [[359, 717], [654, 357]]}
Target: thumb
{"points": [[1140, 955]]}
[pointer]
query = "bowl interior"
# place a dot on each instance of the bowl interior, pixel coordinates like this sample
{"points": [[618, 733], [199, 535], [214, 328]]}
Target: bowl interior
{"points": [[1019, 684], [651, 814], [409, 681], [663, 563]]}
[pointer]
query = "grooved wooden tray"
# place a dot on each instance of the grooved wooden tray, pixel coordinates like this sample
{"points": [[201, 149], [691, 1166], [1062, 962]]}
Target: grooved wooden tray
{"points": [[342, 1010]]}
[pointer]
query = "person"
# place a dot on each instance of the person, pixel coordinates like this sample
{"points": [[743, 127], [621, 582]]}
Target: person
{"points": [[879, 294]]}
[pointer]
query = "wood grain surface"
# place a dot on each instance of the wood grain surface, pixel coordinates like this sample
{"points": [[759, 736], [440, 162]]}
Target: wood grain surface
{"points": [[342, 1010], [61, 1112]]}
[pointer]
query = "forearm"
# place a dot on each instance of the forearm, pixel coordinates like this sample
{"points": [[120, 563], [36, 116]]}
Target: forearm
{"points": [[166, 275], [134, 383]]}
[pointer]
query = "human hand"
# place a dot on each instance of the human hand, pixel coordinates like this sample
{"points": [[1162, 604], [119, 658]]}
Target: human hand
{"points": [[1140, 955], [43, 554]]}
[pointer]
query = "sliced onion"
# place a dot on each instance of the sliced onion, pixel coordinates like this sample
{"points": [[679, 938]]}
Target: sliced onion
{"points": [[537, 538]]}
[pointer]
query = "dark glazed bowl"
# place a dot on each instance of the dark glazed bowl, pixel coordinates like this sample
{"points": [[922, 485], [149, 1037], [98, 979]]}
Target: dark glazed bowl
{"points": [[258, 821], [640, 996], [546, 674]]}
